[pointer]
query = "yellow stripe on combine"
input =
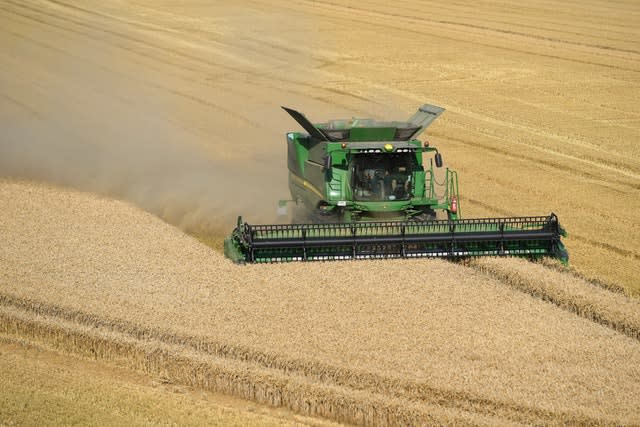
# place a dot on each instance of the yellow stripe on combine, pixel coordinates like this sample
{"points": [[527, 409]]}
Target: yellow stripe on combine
{"points": [[308, 185]]}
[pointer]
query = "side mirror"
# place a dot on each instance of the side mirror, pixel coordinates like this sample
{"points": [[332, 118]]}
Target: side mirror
{"points": [[327, 162], [438, 160]]}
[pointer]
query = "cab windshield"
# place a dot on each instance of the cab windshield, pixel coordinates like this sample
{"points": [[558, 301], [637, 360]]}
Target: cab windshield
{"points": [[378, 177]]}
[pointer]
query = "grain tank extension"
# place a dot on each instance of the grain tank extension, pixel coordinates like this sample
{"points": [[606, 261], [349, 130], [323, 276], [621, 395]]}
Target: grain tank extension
{"points": [[362, 188]]}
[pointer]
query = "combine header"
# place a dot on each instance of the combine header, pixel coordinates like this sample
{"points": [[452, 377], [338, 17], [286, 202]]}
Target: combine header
{"points": [[362, 191]]}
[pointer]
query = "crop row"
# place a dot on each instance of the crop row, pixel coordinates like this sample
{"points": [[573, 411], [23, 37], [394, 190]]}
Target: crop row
{"points": [[592, 301], [307, 388]]}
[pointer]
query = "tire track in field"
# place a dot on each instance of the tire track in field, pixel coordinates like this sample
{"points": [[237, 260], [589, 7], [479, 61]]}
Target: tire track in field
{"points": [[510, 32], [590, 15], [606, 246], [288, 88], [223, 51], [231, 70], [142, 25], [197, 99], [557, 198], [281, 381], [270, 73], [612, 184], [23, 106], [70, 53], [352, 12], [167, 89], [36, 15]]}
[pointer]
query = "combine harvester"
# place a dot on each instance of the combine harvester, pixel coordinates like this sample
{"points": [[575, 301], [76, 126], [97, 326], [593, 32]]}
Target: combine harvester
{"points": [[365, 192]]}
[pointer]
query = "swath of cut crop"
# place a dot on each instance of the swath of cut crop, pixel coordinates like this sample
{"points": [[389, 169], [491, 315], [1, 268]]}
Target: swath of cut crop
{"points": [[244, 379], [612, 309], [346, 396], [612, 287]]}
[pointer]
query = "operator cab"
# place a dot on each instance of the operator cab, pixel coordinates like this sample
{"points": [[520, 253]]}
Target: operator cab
{"points": [[380, 177]]}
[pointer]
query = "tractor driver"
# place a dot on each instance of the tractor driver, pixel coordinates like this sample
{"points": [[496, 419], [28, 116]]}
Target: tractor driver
{"points": [[400, 183]]}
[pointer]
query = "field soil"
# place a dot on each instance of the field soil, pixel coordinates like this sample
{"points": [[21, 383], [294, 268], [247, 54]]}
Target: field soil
{"points": [[133, 131]]}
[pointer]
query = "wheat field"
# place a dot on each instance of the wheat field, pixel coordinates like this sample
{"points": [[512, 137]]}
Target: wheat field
{"points": [[130, 127], [393, 342]]}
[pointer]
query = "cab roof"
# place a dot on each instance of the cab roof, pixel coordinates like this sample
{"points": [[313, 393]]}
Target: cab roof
{"points": [[353, 130]]}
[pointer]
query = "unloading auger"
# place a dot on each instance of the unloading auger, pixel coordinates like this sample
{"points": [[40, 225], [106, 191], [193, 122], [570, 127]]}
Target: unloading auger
{"points": [[362, 191]]}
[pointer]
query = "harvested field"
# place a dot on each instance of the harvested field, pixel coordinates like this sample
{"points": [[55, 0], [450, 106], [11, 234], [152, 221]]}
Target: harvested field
{"points": [[356, 344], [49, 388], [173, 109]]}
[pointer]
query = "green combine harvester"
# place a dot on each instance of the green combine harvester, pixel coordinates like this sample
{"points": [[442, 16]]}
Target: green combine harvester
{"points": [[361, 190]]}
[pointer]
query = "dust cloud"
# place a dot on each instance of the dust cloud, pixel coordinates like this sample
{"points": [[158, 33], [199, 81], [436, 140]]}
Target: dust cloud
{"points": [[152, 165], [98, 130]]}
